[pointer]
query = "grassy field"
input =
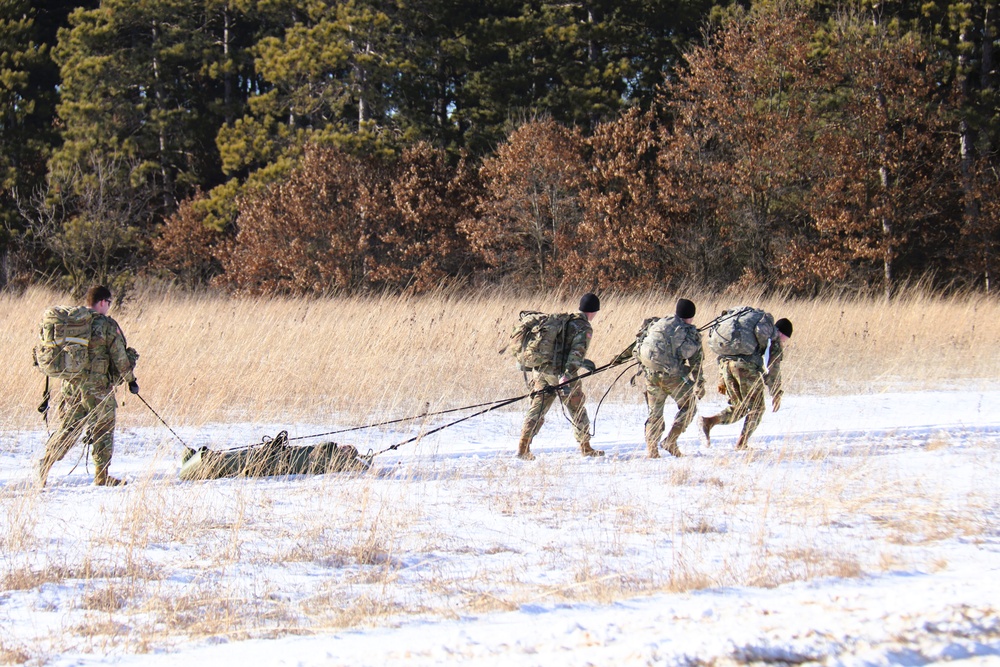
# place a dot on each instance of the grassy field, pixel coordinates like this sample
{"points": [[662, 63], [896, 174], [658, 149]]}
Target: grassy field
{"points": [[208, 358]]}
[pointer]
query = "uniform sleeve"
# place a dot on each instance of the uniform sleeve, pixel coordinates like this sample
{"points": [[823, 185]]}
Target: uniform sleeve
{"points": [[773, 377], [578, 334], [117, 352], [695, 363]]}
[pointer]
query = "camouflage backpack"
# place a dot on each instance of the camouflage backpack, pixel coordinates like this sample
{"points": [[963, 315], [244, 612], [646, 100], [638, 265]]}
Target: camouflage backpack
{"points": [[62, 352], [663, 344], [538, 340], [740, 332]]}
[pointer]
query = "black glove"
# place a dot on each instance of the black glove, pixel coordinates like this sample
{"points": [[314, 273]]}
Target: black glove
{"points": [[589, 365], [133, 387]]}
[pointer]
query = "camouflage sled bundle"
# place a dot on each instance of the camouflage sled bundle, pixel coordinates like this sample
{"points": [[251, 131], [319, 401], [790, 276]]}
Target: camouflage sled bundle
{"points": [[271, 457]]}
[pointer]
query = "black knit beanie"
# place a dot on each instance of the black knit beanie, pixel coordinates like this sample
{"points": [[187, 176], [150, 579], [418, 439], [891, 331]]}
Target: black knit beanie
{"points": [[685, 309], [784, 326], [589, 303]]}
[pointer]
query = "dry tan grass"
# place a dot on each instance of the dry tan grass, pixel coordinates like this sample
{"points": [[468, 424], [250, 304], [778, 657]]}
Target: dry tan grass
{"points": [[208, 358], [13, 654]]}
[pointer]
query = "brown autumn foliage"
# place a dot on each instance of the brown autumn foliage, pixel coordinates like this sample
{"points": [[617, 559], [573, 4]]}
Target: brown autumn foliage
{"points": [[791, 152], [885, 182], [425, 249], [316, 232], [625, 239], [186, 247], [980, 238], [528, 216], [814, 153], [731, 164]]}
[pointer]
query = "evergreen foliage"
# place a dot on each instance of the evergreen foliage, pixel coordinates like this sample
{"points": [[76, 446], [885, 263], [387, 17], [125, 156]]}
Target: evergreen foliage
{"points": [[403, 144]]}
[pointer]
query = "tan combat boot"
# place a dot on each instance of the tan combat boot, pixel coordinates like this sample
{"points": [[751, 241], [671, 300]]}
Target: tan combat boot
{"points": [[741, 442], [524, 449], [44, 466], [670, 442], [706, 424], [587, 450], [652, 451], [102, 478]]}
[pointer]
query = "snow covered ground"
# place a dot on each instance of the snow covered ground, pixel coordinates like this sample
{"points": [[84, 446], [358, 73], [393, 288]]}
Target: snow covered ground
{"points": [[860, 530]]}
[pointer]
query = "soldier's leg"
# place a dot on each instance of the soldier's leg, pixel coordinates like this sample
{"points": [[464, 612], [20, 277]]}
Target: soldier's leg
{"points": [[101, 435], [72, 420], [734, 377], [575, 403], [731, 387], [683, 394], [755, 405], [540, 404], [656, 398]]}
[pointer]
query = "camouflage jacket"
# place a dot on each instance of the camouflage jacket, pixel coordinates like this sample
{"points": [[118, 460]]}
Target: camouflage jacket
{"points": [[578, 334], [110, 359]]}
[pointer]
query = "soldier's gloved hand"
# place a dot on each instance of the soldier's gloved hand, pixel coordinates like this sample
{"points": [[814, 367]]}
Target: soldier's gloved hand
{"points": [[567, 386], [133, 387], [699, 390], [776, 401], [588, 365]]}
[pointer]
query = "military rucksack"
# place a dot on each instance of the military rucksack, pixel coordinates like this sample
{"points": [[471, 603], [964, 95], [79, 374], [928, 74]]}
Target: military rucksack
{"points": [[663, 344], [538, 340], [741, 331], [64, 333]]}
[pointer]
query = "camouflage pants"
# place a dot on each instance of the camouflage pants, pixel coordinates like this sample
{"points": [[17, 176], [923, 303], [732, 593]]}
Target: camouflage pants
{"points": [[659, 388], [745, 391], [574, 402], [90, 413]]}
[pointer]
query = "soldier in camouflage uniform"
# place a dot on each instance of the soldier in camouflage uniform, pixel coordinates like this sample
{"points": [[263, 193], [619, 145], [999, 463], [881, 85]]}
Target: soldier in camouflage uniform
{"points": [[685, 386], [743, 378], [87, 406], [544, 381]]}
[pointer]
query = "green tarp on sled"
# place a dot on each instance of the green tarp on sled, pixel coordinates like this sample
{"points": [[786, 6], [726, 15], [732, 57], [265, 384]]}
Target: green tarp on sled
{"points": [[270, 458]]}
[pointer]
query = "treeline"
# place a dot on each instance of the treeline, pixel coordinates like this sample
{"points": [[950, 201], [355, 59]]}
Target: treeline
{"points": [[306, 146]]}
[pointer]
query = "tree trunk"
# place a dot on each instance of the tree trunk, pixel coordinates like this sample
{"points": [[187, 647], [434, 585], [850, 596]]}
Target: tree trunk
{"points": [[168, 185]]}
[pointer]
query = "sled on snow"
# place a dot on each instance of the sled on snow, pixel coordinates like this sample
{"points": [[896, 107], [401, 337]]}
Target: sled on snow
{"points": [[271, 457]]}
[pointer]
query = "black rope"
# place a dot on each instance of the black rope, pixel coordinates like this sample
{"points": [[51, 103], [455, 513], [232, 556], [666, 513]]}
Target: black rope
{"points": [[459, 421], [499, 404], [161, 420], [724, 317], [608, 391], [404, 419]]}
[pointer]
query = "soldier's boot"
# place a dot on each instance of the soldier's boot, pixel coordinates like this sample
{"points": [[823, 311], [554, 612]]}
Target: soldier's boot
{"points": [[524, 449], [652, 451], [102, 478], [741, 442], [587, 450], [44, 466], [706, 424], [670, 442]]}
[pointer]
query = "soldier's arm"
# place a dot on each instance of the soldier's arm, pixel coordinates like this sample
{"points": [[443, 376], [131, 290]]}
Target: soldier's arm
{"points": [[696, 362], [117, 352], [580, 332], [772, 379]]}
